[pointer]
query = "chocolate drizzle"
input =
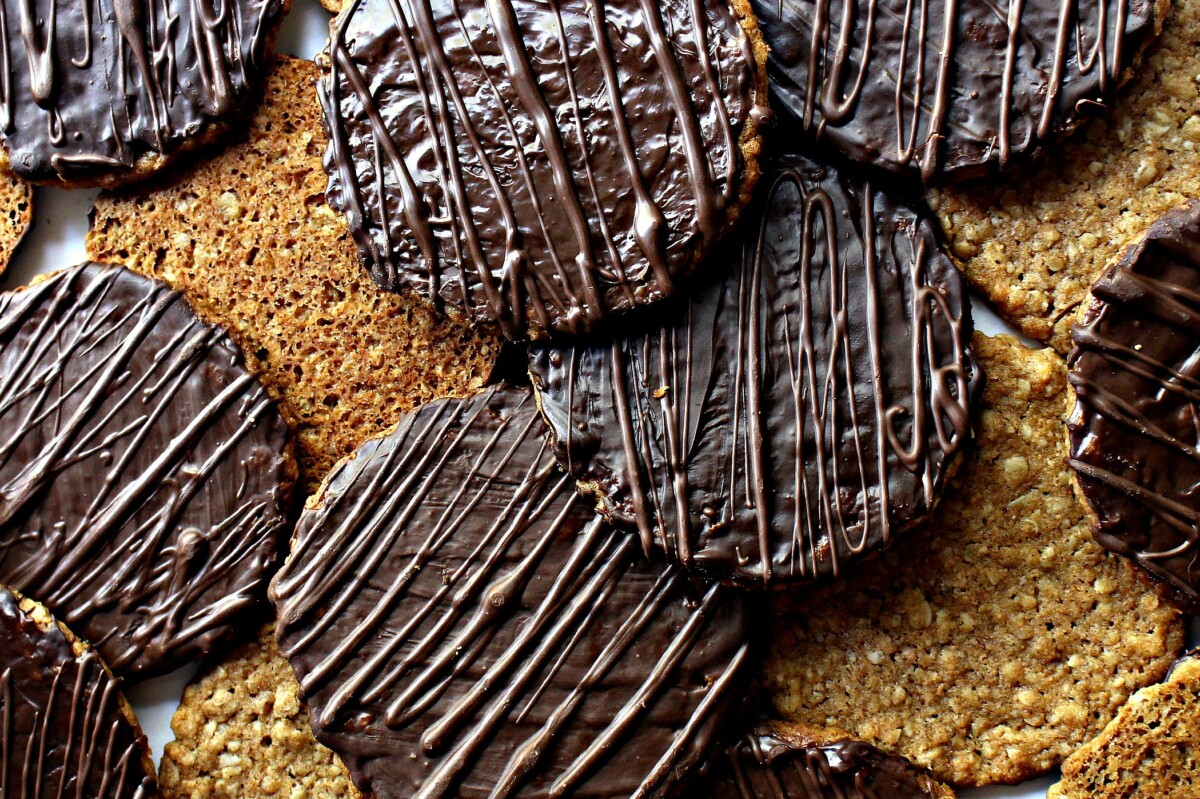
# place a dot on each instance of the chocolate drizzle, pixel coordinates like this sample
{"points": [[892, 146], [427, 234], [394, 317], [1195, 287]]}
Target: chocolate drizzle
{"points": [[63, 728], [144, 473], [1135, 427], [950, 88], [539, 165], [797, 414], [91, 90], [463, 625]]}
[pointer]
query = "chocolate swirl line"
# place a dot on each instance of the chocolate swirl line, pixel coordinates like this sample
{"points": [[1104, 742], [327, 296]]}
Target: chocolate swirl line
{"points": [[506, 157], [792, 416], [142, 480], [463, 624], [949, 86]]}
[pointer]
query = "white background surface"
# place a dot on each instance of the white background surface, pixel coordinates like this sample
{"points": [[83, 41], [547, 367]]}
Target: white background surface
{"points": [[56, 241]]}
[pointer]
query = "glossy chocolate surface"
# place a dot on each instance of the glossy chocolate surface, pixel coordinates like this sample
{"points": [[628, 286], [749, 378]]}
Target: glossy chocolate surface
{"points": [[464, 625]]}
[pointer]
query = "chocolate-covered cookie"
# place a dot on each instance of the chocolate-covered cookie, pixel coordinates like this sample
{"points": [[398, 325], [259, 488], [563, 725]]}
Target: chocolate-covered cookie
{"points": [[463, 624], [65, 729], [795, 415], [950, 88], [144, 473], [99, 93], [1135, 427], [542, 166]]}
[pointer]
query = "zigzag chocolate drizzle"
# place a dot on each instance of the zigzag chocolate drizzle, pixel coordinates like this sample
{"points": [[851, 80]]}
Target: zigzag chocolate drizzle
{"points": [[1135, 428], [540, 165], [89, 88], [463, 625], [949, 87], [143, 472], [794, 416], [63, 729]]}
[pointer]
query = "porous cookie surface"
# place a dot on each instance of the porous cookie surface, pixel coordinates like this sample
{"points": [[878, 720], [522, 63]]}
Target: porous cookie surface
{"points": [[65, 729], [247, 236], [991, 643], [1034, 242], [950, 88], [1133, 428], [16, 212], [241, 731], [464, 625], [145, 475], [542, 166], [796, 414], [97, 93], [1151, 750]]}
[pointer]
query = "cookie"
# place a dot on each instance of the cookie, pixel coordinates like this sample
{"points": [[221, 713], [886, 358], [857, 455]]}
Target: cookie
{"points": [[788, 762], [951, 89], [463, 624], [16, 214], [1148, 751], [991, 643], [248, 238], [145, 475], [1034, 242], [108, 92], [542, 167], [65, 728], [794, 415], [240, 731]]}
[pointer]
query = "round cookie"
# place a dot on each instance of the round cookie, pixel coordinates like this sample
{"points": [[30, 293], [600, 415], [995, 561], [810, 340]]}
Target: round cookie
{"points": [[108, 92], [786, 762], [1134, 426], [542, 167], [1148, 751], [145, 476], [248, 237], [463, 624], [794, 416], [950, 89], [65, 728], [240, 731], [16, 214], [1034, 241], [995, 640]]}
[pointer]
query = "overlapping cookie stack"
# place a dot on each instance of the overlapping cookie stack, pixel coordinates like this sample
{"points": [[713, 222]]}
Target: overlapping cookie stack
{"points": [[644, 443]]}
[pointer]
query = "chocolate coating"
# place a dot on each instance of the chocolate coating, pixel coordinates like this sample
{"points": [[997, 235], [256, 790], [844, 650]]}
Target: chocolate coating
{"points": [[94, 90], [144, 473], [63, 725], [1135, 427], [949, 88], [797, 414], [475, 149], [764, 766], [464, 625]]}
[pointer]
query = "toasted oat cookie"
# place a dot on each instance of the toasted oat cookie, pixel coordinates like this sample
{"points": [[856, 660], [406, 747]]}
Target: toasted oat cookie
{"points": [[989, 645], [249, 239], [1151, 750], [1034, 243], [16, 212], [241, 732]]}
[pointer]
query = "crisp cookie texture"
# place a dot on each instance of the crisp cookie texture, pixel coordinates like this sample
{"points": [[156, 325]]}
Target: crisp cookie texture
{"points": [[992, 643], [241, 732], [1034, 243], [249, 239], [16, 212], [1151, 750]]}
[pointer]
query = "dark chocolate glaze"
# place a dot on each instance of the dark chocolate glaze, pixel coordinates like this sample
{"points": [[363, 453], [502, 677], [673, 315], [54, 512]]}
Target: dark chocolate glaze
{"points": [[795, 415], [63, 729], [464, 625], [949, 88], [537, 164], [763, 766], [144, 473], [1135, 427], [90, 87]]}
